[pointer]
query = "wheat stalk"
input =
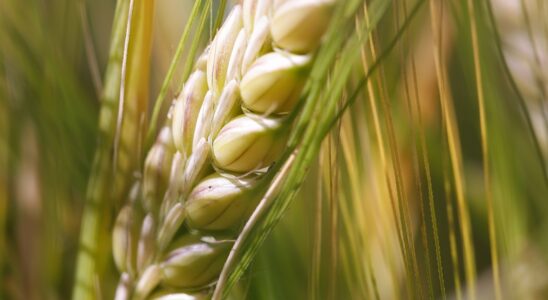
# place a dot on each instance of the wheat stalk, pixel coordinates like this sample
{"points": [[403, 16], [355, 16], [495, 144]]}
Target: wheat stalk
{"points": [[226, 128]]}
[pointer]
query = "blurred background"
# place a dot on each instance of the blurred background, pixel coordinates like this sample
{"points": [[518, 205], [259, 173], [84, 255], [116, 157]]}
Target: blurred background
{"points": [[396, 205]]}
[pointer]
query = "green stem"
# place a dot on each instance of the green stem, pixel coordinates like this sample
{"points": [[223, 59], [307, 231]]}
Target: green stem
{"points": [[108, 180], [88, 264]]}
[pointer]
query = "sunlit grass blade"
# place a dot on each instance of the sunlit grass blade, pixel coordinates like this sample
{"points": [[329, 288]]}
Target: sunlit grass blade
{"points": [[449, 120], [485, 150]]}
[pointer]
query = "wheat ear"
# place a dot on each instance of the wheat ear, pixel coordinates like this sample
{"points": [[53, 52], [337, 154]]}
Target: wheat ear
{"points": [[223, 131]]}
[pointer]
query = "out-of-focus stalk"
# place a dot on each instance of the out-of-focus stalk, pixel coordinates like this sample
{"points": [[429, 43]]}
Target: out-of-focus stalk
{"points": [[109, 177], [4, 159]]}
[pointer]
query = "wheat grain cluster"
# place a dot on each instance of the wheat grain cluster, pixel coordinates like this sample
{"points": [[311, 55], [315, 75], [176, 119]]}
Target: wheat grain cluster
{"points": [[226, 127]]}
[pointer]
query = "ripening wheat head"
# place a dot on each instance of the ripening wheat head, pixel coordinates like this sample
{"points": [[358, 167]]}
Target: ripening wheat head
{"points": [[223, 131]]}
